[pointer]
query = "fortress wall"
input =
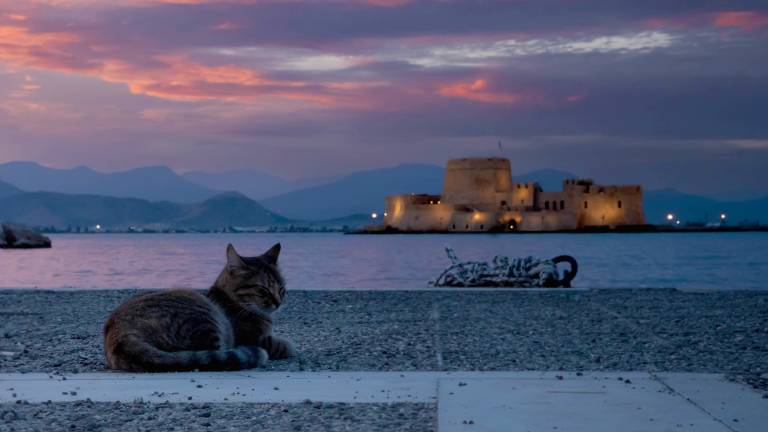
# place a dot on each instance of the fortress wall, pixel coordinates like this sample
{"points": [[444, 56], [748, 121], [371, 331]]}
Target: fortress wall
{"points": [[548, 221], [567, 199], [405, 212], [524, 195], [472, 221], [477, 181], [616, 206]]}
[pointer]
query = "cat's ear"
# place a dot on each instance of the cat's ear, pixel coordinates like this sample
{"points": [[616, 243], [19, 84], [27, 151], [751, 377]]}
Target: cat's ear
{"points": [[272, 254], [233, 258]]}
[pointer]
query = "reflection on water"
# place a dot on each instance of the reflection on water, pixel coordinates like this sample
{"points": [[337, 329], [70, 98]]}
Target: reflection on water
{"points": [[335, 261]]}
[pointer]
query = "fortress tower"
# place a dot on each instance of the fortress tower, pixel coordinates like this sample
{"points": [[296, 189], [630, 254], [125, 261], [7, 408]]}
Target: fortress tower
{"points": [[480, 181]]}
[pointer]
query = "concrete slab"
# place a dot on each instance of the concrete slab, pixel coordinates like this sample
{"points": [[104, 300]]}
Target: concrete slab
{"points": [[269, 387], [737, 406], [589, 404], [255, 386]]}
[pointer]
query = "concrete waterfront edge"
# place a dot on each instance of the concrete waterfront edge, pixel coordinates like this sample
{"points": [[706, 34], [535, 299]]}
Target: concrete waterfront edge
{"points": [[487, 401]]}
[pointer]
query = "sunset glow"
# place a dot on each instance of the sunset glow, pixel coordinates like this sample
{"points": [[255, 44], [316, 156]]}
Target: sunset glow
{"points": [[366, 83]]}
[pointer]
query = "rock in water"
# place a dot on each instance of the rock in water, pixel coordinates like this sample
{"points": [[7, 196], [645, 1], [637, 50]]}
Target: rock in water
{"points": [[14, 236]]}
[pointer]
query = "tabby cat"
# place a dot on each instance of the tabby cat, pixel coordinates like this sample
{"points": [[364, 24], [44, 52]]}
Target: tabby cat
{"points": [[229, 328]]}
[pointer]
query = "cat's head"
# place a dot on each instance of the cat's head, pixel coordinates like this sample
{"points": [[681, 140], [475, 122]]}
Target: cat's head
{"points": [[254, 282]]}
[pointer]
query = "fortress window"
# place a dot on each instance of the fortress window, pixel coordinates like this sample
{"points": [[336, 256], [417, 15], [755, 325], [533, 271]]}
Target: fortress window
{"points": [[526, 185], [586, 204], [466, 227], [546, 205], [562, 205], [481, 226], [503, 203], [454, 226], [619, 203]]}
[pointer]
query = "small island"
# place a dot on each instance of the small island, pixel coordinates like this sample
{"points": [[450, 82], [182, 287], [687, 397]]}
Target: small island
{"points": [[479, 195]]}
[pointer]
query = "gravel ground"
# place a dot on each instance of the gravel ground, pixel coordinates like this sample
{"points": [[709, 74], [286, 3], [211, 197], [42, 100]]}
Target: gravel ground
{"points": [[603, 330], [652, 330], [144, 416]]}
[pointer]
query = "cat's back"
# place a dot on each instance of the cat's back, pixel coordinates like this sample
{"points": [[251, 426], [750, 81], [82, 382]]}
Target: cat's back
{"points": [[168, 320], [162, 302]]}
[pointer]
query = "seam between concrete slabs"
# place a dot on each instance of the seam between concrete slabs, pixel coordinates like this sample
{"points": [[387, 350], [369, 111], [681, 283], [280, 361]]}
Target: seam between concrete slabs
{"points": [[690, 401]]}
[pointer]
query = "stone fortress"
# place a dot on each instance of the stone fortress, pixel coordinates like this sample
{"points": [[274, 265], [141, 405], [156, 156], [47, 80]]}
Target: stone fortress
{"points": [[479, 195]]}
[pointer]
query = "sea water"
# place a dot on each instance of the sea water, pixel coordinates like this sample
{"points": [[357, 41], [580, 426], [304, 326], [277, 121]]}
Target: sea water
{"points": [[337, 261]]}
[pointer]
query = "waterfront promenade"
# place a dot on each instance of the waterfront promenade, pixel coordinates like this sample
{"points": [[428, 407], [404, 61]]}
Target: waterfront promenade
{"points": [[416, 360]]}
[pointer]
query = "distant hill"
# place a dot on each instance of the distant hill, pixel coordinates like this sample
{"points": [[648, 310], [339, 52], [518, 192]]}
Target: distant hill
{"points": [[687, 207], [64, 210], [364, 192], [7, 189], [228, 209], [156, 183], [360, 192], [254, 184]]}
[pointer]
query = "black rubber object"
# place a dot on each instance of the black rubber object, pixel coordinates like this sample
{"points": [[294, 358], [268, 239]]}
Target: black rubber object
{"points": [[568, 275]]}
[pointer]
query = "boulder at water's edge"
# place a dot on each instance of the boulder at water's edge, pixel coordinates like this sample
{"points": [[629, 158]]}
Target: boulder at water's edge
{"points": [[13, 236]]}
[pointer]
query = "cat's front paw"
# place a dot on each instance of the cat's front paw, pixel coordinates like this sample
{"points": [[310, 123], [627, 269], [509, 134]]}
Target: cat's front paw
{"points": [[257, 357], [278, 348], [290, 351]]}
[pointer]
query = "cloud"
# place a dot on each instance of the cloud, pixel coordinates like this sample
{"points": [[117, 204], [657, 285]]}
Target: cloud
{"points": [[480, 90], [481, 53], [173, 77], [745, 20]]}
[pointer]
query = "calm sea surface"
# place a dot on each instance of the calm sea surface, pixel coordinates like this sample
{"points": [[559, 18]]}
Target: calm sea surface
{"points": [[336, 261]]}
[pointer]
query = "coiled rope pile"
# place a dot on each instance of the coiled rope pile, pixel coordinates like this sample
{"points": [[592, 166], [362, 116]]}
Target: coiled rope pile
{"points": [[506, 272]]}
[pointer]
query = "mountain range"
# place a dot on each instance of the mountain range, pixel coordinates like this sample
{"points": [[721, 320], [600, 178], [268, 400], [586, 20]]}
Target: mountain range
{"points": [[254, 184], [59, 210], [157, 195], [7, 189], [360, 192], [156, 183], [694, 208]]}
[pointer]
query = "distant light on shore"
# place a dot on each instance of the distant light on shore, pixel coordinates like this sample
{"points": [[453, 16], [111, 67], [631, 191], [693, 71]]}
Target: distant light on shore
{"points": [[722, 216], [670, 216], [374, 215], [98, 227]]}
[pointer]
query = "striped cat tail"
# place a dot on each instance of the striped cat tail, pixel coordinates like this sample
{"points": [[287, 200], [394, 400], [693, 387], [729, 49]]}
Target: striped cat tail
{"points": [[137, 355]]}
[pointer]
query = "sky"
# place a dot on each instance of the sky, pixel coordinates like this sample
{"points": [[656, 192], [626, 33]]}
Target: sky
{"points": [[659, 92]]}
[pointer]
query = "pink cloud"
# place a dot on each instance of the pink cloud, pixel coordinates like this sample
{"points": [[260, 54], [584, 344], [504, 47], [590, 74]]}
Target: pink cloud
{"points": [[480, 90], [170, 76], [745, 20]]}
